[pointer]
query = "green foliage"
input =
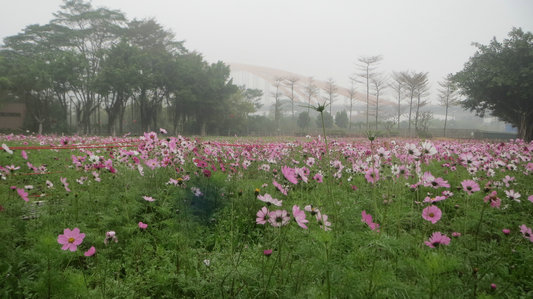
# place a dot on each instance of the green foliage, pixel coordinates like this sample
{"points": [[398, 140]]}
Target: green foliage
{"points": [[304, 120], [210, 245], [328, 120], [497, 79], [341, 119], [91, 59]]}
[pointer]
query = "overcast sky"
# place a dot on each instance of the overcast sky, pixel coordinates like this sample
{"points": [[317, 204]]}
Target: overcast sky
{"points": [[320, 38]]}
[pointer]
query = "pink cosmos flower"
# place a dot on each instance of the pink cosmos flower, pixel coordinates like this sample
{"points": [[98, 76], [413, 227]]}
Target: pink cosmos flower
{"points": [[162, 131], [507, 180], [267, 252], [311, 209], [24, 155], [6, 148], [506, 231], [90, 252], [436, 239], [23, 194], [302, 173], [526, 232], [49, 184], [318, 177], [511, 194], [142, 225], [262, 216], [148, 198], [65, 184], [432, 214], [434, 199], [279, 187], [322, 220], [439, 182], [456, 234], [110, 236], [470, 186], [70, 239], [278, 218], [267, 198], [530, 198], [372, 175], [299, 216], [289, 174], [495, 201], [367, 218], [196, 191]]}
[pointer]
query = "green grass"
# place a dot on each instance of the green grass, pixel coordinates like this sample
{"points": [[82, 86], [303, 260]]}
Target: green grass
{"points": [[169, 258]]}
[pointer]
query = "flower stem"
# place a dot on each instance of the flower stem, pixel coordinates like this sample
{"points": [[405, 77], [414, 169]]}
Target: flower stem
{"points": [[479, 224]]}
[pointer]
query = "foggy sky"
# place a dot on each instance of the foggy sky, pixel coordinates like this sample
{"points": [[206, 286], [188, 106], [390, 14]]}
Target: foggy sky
{"points": [[315, 38]]}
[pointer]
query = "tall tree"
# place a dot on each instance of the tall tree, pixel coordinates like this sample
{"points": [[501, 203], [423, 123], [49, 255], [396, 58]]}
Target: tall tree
{"points": [[291, 82], [89, 32], [367, 66], [398, 85], [351, 93], [40, 71], [331, 90], [277, 100], [116, 82], [157, 67], [412, 81], [379, 84], [311, 91], [422, 90], [497, 79], [447, 96]]}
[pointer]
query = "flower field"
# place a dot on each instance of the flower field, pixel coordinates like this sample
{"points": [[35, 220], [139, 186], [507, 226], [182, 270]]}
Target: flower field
{"points": [[162, 216]]}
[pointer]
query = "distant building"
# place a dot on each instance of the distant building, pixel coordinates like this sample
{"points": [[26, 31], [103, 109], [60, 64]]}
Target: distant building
{"points": [[12, 116]]}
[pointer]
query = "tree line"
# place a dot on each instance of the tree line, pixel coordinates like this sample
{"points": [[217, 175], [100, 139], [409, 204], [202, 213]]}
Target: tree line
{"points": [[90, 61]]}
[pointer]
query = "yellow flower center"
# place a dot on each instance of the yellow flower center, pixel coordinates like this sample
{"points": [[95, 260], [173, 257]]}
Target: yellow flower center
{"points": [[71, 240], [431, 215]]}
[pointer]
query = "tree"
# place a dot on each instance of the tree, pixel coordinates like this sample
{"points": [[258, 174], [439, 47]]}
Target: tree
{"points": [[422, 89], [397, 85], [367, 67], [39, 72], [331, 90], [447, 96], [341, 119], [88, 33], [412, 82], [351, 94], [328, 120], [498, 80], [116, 82], [379, 84], [277, 101], [303, 120], [291, 81], [311, 91]]}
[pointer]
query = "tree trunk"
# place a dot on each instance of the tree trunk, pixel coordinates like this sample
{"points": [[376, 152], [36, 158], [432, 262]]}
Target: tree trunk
{"points": [[417, 113], [203, 128], [351, 106], [445, 119], [410, 112], [399, 106], [377, 110]]}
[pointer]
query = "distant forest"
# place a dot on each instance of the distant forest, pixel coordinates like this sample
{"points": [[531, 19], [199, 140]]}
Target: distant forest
{"points": [[92, 71]]}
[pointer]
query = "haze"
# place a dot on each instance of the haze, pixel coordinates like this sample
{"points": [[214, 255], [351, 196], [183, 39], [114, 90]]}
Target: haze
{"points": [[316, 38]]}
